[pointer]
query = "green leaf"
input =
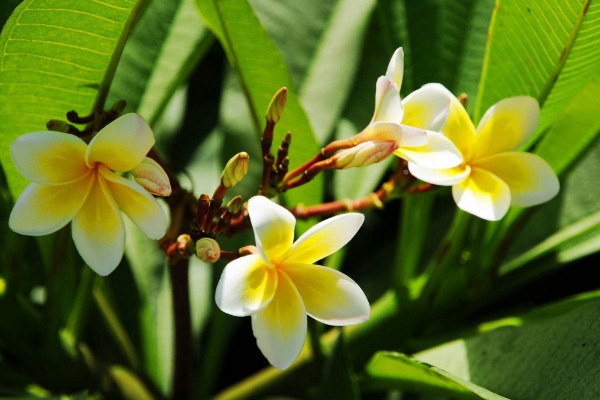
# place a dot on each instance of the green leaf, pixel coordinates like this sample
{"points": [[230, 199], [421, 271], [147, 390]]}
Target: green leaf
{"points": [[451, 33], [542, 50], [548, 354], [262, 72], [51, 64], [130, 386], [164, 46], [330, 76], [339, 381], [389, 370]]}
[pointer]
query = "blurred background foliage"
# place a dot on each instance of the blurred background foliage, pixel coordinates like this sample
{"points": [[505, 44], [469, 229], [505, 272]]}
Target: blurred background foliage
{"points": [[512, 312]]}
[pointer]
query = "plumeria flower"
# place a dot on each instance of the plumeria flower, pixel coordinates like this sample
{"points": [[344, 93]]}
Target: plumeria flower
{"points": [[494, 175], [280, 285], [413, 123], [74, 181]]}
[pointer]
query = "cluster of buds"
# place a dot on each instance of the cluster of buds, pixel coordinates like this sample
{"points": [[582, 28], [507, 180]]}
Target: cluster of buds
{"points": [[211, 217], [274, 168]]}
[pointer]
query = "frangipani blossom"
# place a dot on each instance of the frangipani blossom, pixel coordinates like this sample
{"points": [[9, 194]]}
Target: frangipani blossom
{"points": [[413, 123], [74, 181], [280, 285], [494, 175]]}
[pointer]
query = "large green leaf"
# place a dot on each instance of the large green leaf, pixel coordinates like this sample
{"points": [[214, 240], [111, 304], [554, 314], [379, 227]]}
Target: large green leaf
{"points": [[389, 370], [164, 47], [50, 64], [548, 354], [262, 72], [541, 49]]}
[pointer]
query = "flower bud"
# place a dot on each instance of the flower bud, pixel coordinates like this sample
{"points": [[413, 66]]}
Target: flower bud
{"points": [[208, 250], [235, 205], [150, 175], [364, 154], [235, 170], [185, 244], [276, 106]]}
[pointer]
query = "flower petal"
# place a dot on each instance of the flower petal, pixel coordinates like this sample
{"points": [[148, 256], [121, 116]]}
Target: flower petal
{"points": [[444, 177], [273, 227], [43, 209], [459, 128], [152, 177], [395, 69], [405, 136], [530, 179], [329, 295], [280, 328], [506, 126], [427, 107], [388, 107], [50, 158], [482, 194], [325, 238], [122, 144], [440, 152], [137, 203], [246, 286], [98, 230]]}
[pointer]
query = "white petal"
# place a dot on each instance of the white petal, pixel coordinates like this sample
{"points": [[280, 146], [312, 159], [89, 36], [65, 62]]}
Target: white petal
{"points": [[427, 108], [482, 194], [530, 179], [325, 238], [439, 153], [395, 69], [388, 107], [246, 286], [137, 203], [98, 230], [43, 209], [122, 144], [443, 177], [328, 295], [405, 136], [50, 158], [273, 227], [506, 126], [280, 328]]}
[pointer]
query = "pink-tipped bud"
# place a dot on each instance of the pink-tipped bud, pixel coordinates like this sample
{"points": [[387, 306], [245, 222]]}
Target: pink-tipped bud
{"points": [[235, 170], [208, 250], [276, 106], [150, 175], [364, 154]]}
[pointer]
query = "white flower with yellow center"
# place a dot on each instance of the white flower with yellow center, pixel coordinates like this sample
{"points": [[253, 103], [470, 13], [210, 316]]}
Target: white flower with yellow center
{"points": [[74, 181], [494, 175], [413, 123], [280, 285]]}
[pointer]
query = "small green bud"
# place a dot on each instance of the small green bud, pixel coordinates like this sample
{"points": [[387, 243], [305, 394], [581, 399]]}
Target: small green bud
{"points": [[208, 250], [235, 170], [235, 205], [276, 106]]}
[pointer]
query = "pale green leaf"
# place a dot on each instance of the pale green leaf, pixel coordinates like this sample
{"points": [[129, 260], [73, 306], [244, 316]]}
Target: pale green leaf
{"points": [[50, 64], [389, 370], [548, 354], [263, 71], [164, 47]]}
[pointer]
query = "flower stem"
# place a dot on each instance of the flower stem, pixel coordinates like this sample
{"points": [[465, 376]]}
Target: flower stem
{"points": [[182, 375]]}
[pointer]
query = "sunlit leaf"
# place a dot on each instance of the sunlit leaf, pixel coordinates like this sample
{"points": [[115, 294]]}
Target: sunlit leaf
{"points": [[389, 370], [263, 71], [52, 64]]}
